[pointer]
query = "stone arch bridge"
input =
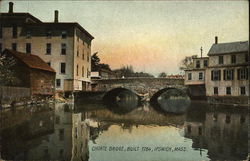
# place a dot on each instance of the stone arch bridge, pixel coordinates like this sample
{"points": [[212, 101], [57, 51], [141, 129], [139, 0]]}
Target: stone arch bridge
{"points": [[140, 86]]}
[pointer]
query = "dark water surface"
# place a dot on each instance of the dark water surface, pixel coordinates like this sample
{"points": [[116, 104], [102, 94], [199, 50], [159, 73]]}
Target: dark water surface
{"points": [[98, 132]]}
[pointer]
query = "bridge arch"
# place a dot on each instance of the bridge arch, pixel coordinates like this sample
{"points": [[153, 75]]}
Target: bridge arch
{"points": [[109, 95]]}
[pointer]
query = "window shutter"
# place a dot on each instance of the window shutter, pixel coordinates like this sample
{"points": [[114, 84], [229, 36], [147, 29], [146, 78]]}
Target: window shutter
{"points": [[219, 75], [247, 73], [232, 74], [212, 75], [238, 74], [224, 74]]}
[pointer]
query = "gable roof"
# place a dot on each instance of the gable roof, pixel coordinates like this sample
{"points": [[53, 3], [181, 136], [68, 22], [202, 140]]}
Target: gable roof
{"points": [[32, 61], [226, 48]]}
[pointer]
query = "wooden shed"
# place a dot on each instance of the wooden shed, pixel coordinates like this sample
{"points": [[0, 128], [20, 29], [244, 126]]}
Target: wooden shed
{"points": [[32, 72]]}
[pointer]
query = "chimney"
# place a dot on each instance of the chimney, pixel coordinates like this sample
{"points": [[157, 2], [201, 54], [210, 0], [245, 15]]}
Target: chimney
{"points": [[11, 7], [56, 16], [216, 40], [201, 52]]}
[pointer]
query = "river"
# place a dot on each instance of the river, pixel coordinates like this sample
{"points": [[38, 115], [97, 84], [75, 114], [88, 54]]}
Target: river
{"points": [[126, 131]]}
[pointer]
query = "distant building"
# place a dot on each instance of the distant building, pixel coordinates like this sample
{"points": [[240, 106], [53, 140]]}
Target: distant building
{"points": [[195, 77], [64, 46], [223, 75], [32, 72], [103, 74], [176, 76], [228, 72]]}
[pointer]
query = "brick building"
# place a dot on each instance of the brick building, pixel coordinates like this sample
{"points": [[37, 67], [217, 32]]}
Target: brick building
{"points": [[32, 72]]}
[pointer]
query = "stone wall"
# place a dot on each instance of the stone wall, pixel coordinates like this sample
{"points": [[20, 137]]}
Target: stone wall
{"points": [[139, 86]]}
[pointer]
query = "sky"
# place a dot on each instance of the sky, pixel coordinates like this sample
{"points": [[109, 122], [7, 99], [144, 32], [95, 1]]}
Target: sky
{"points": [[152, 36]]}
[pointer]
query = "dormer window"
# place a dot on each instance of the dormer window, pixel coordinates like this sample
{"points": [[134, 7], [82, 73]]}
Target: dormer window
{"points": [[64, 34], [205, 63], [198, 65], [221, 60], [233, 59]]}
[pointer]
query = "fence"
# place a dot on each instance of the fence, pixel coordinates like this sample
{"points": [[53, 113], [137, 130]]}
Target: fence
{"points": [[10, 94]]}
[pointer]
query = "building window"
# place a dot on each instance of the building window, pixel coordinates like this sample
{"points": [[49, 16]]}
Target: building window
{"points": [[63, 49], [189, 129], [215, 75], [205, 63], [215, 116], [88, 72], [228, 90], [28, 34], [49, 63], [61, 134], [200, 76], [228, 74], [77, 70], [14, 32], [77, 52], [228, 119], [200, 130], [198, 64], [1, 48], [242, 90], [189, 76], [63, 67], [1, 32], [49, 34], [221, 60], [242, 119], [83, 56], [48, 48], [216, 90], [233, 59], [28, 48], [246, 58], [58, 82], [14, 46], [82, 71], [57, 119], [64, 34], [88, 57], [242, 74]]}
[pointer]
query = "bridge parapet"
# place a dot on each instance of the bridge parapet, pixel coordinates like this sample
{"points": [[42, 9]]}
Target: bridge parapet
{"points": [[141, 86]]}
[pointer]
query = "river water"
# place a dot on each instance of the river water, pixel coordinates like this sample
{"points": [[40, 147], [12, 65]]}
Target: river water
{"points": [[98, 132]]}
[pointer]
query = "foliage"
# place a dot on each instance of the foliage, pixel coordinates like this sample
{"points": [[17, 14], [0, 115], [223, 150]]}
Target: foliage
{"points": [[128, 71], [96, 65], [162, 75], [7, 74], [187, 62]]}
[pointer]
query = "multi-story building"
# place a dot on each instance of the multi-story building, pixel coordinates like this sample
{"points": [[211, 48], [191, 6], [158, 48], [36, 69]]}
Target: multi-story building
{"points": [[223, 74], [195, 77], [228, 73], [66, 47]]}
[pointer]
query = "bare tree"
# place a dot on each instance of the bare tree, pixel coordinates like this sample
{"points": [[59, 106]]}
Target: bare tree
{"points": [[187, 62]]}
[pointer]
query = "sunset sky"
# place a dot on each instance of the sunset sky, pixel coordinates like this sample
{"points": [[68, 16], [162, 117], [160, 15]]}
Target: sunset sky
{"points": [[152, 36]]}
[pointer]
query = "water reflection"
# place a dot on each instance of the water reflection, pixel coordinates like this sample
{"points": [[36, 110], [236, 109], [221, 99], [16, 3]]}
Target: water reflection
{"points": [[171, 101], [121, 101], [66, 132]]}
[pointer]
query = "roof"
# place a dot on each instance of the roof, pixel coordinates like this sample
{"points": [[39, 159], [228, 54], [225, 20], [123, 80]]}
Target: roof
{"points": [[73, 24], [19, 15], [226, 48], [6, 16], [32, 61], [201, 58]]}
